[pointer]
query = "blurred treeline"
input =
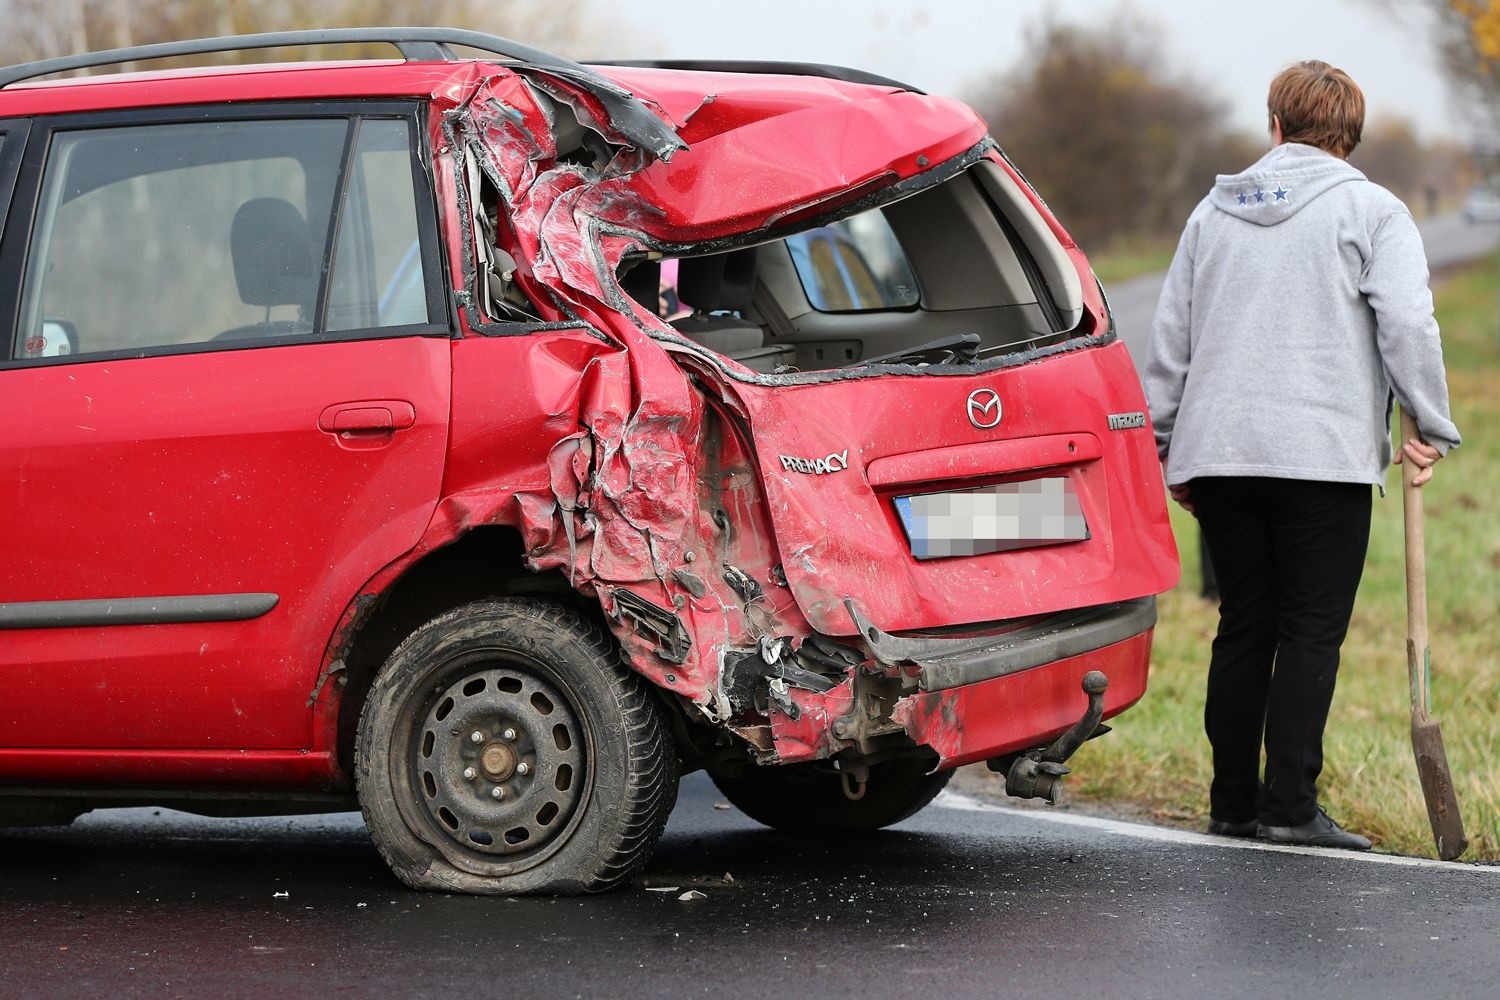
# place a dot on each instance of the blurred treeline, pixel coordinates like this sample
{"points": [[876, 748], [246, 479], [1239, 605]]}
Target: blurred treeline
{"points": [[1122, 147], [40, 29]]}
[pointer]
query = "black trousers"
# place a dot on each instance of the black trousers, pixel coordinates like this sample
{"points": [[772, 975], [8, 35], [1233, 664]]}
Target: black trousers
{"points": [[1289, 555]]}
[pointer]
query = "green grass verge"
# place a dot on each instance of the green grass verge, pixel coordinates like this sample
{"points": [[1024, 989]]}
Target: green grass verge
{"points": [[1157, 757], [1131, 259]]}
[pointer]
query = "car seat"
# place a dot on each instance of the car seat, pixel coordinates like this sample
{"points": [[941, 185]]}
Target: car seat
{"points": [[719, 290], [273, 265]]}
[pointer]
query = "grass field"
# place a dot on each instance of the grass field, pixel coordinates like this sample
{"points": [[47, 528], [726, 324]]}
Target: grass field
{"points": [[1130, 259], [1157, 757]]}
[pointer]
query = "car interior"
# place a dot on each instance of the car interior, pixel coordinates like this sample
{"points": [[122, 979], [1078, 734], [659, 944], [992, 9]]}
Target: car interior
{"points": [[969, 261]]}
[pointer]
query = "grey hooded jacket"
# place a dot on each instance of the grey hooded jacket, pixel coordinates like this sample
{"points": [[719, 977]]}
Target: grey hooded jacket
{"points": [[1296, 303]]}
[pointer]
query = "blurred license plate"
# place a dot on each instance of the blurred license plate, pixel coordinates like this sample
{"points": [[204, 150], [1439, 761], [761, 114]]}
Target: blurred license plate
{"points": [[992, 518]]}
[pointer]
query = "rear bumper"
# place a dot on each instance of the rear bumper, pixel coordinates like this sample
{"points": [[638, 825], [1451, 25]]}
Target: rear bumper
{"points": [[1015, 708], [968, 658]]}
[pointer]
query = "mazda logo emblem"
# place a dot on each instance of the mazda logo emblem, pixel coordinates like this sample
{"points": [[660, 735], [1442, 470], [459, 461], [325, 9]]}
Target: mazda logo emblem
{"points": [[984, 408]]}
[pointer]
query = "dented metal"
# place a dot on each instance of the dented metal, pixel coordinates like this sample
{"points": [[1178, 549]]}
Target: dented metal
{"points": [[716, 568]]}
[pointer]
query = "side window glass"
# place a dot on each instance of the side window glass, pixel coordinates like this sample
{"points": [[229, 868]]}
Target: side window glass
{"points": [[378, 277], [854, 265], [163, 235]]}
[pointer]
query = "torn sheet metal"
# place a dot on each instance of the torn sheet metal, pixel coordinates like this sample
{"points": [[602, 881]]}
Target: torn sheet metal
{"points": [[659, 521], [659, 493], [802, 721]]}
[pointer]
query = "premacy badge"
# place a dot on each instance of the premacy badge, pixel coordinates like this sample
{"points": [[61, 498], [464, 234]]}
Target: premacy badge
{"points": [[837, 462]]}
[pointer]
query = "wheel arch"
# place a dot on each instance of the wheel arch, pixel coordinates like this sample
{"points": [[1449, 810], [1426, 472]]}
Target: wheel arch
{"points": [[484, 562]]}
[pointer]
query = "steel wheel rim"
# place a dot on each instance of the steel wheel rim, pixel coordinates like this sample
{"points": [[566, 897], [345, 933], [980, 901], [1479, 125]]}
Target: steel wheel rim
{"points": [[531, 745]]}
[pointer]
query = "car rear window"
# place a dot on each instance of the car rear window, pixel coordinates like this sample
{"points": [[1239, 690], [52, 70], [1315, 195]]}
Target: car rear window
{"points": [[854, 265]]}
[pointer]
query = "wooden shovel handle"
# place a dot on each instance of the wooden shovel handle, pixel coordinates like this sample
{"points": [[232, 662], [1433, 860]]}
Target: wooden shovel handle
{"points": [[1416, 572]]}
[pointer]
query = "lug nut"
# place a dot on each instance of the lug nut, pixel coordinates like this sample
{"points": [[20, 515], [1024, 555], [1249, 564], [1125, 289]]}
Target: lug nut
{"points": [[523, 768], [497, 792], [476, 737], [469, 774], [509, 734]]}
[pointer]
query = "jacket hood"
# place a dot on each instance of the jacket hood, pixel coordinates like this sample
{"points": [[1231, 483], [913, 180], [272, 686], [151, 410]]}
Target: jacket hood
{"points": [[1281, 183]]}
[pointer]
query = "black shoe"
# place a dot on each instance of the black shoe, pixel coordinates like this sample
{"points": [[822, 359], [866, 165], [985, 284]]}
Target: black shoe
{"points": [[1320, 831], [1224, 828]]}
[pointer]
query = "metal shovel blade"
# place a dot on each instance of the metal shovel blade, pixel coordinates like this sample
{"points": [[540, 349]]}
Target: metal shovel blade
{"points": [[1437, 789]]}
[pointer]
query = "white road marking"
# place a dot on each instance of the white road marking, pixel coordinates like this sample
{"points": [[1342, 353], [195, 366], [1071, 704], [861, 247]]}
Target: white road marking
{"points": [[958, 801]]}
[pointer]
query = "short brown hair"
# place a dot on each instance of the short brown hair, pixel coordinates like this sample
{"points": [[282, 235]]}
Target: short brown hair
{"points": [[1318, 104]]}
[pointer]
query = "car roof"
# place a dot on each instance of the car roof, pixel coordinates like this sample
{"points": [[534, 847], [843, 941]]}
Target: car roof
{"points": [[789, 140], [670, 87], [372, 78], [428, 68], [624, 113]]}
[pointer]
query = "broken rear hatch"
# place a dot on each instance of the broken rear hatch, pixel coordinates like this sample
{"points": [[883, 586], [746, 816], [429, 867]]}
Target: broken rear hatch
{"points": [[1052, 493], [847, 458], [1069, 509]]}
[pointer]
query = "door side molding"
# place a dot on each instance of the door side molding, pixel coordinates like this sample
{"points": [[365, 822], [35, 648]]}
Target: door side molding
{"points": [[136, 611]]}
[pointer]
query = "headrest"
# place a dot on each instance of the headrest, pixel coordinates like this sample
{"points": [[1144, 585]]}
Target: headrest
{"points": [[272, 252], [724, 282], [643, 283]]}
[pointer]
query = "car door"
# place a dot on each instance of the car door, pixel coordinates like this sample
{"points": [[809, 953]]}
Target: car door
{"points": [[224, 398]]}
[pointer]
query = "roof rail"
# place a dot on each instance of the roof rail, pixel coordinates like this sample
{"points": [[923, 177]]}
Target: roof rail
{"points": [[824, 70], [628, 114]]}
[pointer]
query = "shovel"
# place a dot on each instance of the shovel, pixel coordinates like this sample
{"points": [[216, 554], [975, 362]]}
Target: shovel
{"points": [[1426, 736]]}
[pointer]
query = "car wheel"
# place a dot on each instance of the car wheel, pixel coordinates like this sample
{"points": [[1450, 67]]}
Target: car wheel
{"points": [[505, 749], [809, 798]]}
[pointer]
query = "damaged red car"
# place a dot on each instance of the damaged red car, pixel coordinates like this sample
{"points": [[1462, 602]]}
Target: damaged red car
{"points": [[491, 440]]}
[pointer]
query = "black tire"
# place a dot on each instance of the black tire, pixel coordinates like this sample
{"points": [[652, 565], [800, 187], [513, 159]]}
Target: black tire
{"points": [[809, 798], [586, 766], [35, 811]]}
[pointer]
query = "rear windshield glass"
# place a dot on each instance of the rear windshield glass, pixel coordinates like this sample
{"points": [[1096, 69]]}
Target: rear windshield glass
{"points": [[854, 265]]}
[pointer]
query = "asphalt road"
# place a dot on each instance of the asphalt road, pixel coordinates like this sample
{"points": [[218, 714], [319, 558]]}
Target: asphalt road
{"points": [[964, 900], [1448, 238]]}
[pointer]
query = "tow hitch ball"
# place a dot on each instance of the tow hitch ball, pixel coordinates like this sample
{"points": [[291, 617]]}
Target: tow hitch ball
{"points": [[1037, 774]]}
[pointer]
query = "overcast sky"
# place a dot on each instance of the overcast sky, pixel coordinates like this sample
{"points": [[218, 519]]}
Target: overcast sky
{"points": [[946, 45]]}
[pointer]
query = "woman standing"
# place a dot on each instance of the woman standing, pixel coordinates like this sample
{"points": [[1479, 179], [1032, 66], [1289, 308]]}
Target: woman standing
{"points": [[1295, 309]]}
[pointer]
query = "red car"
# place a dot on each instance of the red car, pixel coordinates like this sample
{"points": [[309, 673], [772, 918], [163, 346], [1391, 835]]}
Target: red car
{"points": [[348, 452]]}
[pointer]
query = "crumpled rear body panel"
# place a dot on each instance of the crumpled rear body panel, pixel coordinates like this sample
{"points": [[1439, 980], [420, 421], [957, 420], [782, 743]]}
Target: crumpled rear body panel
{"points": [[761, 152], [658, 487], [621, 509]]}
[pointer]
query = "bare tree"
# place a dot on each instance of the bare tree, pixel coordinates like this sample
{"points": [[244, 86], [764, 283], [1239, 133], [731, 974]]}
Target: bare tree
{"points": [[1120, 148], [1466, 36]]}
